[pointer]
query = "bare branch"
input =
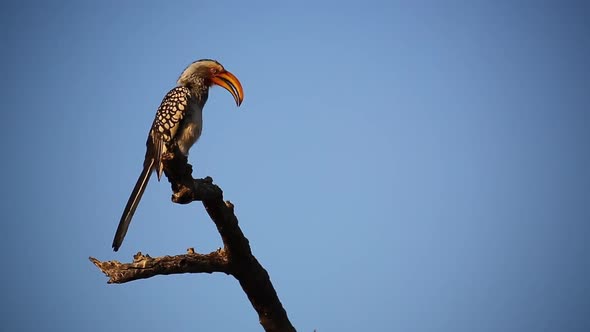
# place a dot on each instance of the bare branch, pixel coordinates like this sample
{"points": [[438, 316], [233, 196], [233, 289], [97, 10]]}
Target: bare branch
{"points": [[144, 266], [235, 258]]}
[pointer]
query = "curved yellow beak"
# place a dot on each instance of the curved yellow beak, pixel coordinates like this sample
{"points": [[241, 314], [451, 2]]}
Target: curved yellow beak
{"points": [[231, 83]]}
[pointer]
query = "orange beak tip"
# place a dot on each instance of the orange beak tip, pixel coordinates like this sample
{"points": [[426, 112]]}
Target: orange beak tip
{"points": [[231, 83]]}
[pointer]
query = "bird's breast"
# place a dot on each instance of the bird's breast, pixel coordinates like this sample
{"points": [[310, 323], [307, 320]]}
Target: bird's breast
{"points": [[191, 129]]}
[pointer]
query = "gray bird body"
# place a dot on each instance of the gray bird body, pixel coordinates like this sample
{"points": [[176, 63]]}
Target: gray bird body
{"points": [[179, 118], [170, 123]]}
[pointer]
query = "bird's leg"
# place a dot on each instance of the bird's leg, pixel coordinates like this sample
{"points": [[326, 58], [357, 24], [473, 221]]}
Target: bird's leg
{"points": [[179, 173]]}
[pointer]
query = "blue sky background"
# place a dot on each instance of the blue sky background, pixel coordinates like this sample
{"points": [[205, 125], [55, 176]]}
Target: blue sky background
{"points": [[397, 166]]}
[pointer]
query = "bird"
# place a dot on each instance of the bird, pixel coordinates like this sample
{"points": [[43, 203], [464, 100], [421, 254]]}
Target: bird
{"points": [[179, 118]]}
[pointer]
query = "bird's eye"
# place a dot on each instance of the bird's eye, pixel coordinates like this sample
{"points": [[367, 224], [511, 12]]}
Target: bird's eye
{"points": [[214, 71]]}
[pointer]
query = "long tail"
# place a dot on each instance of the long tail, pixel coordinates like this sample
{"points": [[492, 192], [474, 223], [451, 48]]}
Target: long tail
{"points": [[132, 204]]}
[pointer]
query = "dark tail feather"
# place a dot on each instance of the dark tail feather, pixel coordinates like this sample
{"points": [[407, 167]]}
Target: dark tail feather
{"points": [[132, 204]]}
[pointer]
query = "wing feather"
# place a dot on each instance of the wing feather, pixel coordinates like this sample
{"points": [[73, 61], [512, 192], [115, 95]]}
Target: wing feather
{"points": [[168, 120]]}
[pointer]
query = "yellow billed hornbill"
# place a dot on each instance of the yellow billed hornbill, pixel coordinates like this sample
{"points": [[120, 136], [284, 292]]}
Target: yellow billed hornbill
{"points": [[178, 118]]}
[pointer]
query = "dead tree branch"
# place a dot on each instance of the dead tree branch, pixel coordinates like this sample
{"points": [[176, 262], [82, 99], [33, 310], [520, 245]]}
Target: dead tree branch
{"points": [[235, 258]]}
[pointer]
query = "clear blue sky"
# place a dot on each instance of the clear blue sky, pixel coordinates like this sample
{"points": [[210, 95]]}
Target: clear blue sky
{"points": [[397, 166]]}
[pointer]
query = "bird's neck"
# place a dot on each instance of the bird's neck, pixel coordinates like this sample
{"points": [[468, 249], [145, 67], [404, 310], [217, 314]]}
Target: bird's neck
{"points": [[200, 91]]}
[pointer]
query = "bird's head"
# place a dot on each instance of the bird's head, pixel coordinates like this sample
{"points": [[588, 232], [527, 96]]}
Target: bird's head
{"points": [[210, 72]]}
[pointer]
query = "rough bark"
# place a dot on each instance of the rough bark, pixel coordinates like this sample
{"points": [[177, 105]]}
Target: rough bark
{"points": [[235, 258]]}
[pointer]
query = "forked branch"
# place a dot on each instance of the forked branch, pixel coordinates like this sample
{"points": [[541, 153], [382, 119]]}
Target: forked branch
{"points": [[235, 258]]}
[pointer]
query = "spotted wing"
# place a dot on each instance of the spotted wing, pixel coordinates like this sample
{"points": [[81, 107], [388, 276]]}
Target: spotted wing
{"points": [[168, 120]]}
